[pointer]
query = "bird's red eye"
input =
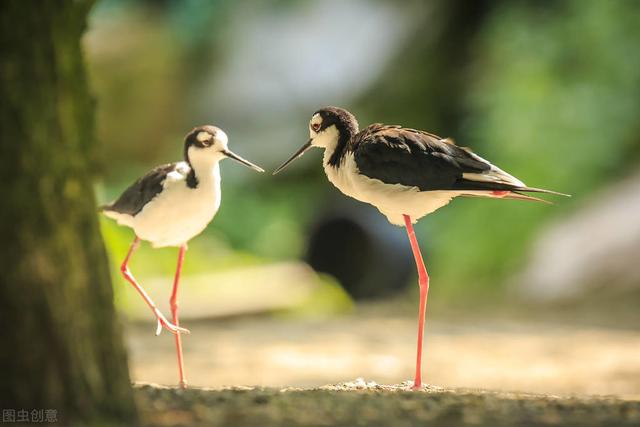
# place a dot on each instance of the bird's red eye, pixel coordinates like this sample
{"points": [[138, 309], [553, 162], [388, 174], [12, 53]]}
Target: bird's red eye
{"points": [[315, 127]]}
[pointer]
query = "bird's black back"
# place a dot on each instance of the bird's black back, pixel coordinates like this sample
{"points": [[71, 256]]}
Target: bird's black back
{"points": [[141, 192], [410, 157]]}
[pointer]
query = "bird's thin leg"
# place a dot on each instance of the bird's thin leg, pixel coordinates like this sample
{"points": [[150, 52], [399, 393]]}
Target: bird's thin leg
{"points": [[174, 311], [423, 282], [162, 321]]}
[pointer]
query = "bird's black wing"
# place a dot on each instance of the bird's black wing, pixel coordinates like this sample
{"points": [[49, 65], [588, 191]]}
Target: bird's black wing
{"points": [[141, 192], [397, 155]]}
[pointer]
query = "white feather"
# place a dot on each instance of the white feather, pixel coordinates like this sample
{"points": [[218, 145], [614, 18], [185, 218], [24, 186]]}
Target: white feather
{"points": [[179, 213], [495, 174], [122, 219]]}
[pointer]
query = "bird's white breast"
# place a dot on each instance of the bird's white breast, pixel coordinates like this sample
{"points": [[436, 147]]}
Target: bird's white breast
{"points": [[392, 200], [179, 213]]}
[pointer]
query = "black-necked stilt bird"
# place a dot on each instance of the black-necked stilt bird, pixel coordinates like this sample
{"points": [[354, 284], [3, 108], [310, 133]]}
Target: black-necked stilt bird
{"points": [[406, 174], [172, 204]]}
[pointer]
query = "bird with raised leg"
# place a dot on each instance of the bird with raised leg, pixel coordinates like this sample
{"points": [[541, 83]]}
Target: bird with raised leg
{"points": [[406, 174], [172, 204]]}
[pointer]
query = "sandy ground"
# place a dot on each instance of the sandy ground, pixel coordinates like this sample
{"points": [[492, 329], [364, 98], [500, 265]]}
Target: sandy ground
{"points": [[366, 404], [261, 351]]}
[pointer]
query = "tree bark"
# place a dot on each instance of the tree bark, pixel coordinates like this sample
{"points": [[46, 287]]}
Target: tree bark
{"points": [[61, 346]]}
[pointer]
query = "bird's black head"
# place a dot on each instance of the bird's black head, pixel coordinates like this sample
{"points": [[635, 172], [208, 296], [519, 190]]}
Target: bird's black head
{"points": [[330, 128], [202, 137], [207, 144], [323, 121]]}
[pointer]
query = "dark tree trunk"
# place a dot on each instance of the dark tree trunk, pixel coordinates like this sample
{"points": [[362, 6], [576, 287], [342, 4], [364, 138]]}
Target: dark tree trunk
{"points": [[61, 346]]}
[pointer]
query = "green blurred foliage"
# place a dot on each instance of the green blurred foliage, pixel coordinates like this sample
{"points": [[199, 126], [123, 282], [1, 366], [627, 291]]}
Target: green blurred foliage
{"points": [[554, 98], [204, 255], [327, 299]]}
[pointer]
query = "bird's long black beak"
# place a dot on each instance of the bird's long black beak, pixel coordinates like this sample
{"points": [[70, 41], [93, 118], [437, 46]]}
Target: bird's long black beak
{"points": [[230, 154], [297, 154]]}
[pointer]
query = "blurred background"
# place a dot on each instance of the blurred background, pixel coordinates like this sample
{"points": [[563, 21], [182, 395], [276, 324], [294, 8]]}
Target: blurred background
{"points": [[295, 284]]}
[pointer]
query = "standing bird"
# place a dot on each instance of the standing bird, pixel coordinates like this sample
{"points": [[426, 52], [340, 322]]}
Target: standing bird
{"points": [[172, 204], [406, 174]]}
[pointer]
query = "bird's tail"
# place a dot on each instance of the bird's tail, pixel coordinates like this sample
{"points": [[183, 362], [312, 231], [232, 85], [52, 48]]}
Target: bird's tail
{"points": [[538, 190], [501, 189], [513, 193]]}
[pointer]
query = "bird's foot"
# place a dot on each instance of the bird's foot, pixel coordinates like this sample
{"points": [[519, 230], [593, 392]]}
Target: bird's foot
{"points": [[164, 323], [415, 384]]}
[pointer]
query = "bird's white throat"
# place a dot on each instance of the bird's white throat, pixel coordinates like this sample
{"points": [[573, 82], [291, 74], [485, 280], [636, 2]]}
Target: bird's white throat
{"points": [[204, 162], [327, 138]]}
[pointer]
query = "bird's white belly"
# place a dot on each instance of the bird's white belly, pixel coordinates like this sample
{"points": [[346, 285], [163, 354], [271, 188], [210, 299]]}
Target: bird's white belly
{"points": [[392, 200], [177, 215]]}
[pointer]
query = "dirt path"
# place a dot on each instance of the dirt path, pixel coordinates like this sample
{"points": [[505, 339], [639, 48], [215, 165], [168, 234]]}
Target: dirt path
{"points": [[358, 404], [530, 357]]}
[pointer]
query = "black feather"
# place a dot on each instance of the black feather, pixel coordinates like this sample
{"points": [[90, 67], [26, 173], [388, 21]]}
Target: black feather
{"points": [[141, 192], [396, 155]]}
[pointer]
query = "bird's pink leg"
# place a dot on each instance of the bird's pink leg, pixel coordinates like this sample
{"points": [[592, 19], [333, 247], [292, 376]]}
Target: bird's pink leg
{"points": [[423, 282], [162, 321], [174, 312]]}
